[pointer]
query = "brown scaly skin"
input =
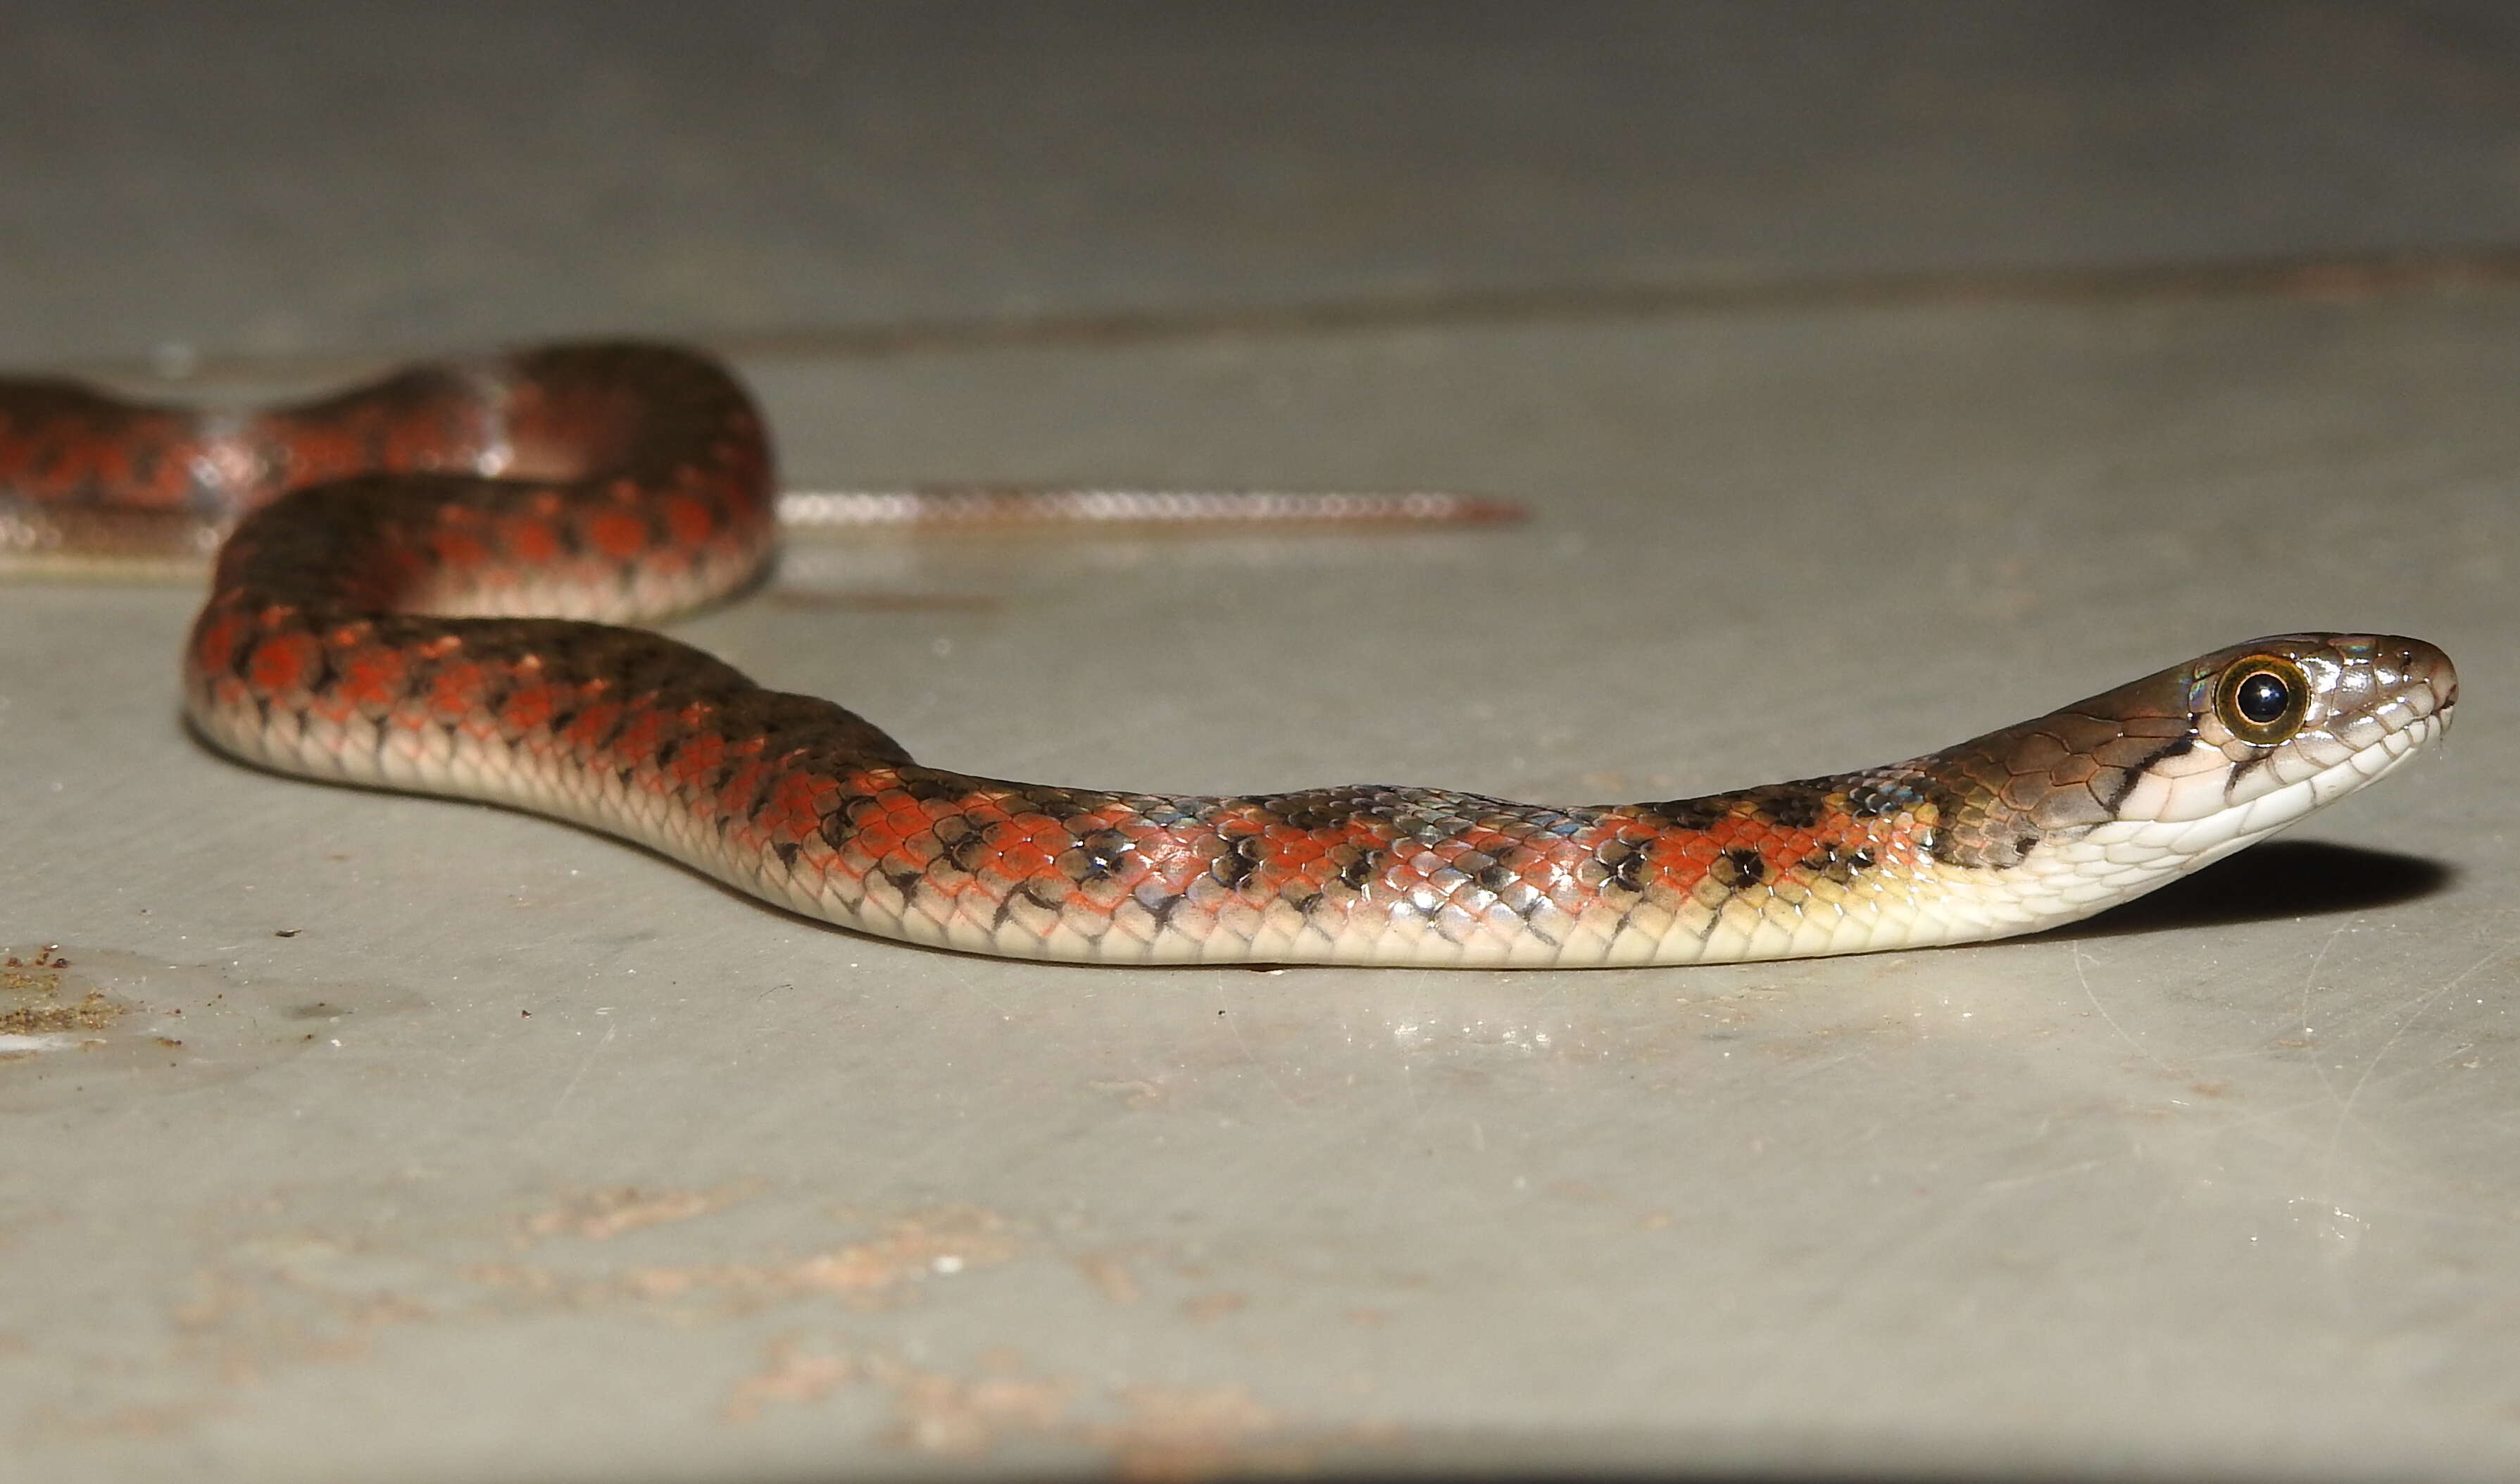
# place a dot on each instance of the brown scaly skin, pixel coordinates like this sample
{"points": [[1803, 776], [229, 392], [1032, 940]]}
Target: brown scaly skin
{"points": [[609, 481]]}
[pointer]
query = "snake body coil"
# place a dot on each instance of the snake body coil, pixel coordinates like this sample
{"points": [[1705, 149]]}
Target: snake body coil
{"points": [[425, 592]]}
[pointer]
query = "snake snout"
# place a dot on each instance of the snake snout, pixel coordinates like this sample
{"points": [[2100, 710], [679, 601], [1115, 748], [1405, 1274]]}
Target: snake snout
{"points": [[2429, 664], [2411, 680]]}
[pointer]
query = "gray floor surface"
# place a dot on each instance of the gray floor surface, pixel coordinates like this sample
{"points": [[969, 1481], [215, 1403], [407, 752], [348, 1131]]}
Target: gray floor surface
{"points": [[419, 1140]]}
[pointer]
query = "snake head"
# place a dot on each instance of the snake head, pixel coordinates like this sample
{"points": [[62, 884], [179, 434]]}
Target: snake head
{"points": [[2284, 725], [2199, 759]]}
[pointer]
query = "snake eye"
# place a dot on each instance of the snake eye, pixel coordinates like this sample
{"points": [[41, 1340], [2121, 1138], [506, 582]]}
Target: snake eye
{"points": [[2263, 699]]}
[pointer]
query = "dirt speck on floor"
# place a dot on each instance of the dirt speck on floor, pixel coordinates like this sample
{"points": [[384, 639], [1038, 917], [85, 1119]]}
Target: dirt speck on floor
{"points": [[38, 1000], [601, 1214], [789, 1373]]}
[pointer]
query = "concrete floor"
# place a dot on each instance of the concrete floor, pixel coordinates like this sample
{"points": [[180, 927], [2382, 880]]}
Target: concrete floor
{"points": [[435, 1143]]}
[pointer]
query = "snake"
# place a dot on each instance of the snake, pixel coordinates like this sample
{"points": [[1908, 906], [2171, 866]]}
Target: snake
{"points": [[438, 582]]}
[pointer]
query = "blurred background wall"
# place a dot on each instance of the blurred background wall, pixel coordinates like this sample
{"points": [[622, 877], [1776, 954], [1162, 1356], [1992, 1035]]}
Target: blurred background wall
{"points": [[279, 179]]}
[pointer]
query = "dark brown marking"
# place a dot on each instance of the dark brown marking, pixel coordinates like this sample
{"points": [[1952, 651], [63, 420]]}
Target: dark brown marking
{"points": [[1692, 813], [1793, 806], [1740, 870]]}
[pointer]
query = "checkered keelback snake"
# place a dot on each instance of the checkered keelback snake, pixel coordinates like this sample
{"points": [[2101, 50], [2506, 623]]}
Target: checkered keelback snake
{"points": [[427, 597]]}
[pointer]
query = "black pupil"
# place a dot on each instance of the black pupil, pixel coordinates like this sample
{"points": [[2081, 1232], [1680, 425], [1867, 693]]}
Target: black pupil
{"points": [[2263, 699]]}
